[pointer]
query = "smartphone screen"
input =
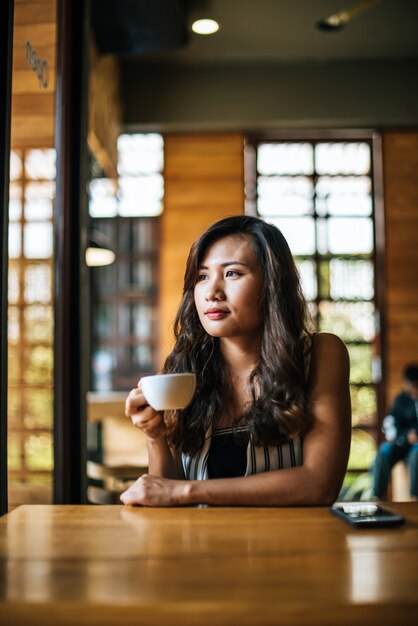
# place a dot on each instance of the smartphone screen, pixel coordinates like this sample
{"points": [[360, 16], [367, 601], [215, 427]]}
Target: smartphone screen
{"points": [[366, 514]]}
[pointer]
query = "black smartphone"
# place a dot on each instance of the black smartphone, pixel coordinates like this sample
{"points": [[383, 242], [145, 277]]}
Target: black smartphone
{"points": [[366, 515]]}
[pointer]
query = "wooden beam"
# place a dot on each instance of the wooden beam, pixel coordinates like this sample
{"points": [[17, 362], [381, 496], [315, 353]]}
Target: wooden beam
{"points": [[70, 275]]}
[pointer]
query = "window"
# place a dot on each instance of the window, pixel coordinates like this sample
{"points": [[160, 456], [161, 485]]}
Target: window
{"points": [[125, 294], [30, 337], [320, 195]]}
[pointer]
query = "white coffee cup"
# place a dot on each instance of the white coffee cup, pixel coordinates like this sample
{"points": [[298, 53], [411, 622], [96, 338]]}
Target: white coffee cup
{"points": [[168, 391]]}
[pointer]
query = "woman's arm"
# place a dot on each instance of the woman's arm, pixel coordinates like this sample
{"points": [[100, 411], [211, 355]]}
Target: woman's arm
{"points": [[161, 460], [325, 451]]}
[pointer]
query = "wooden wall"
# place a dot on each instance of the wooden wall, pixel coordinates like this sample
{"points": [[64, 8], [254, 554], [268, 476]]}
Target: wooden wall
{"points": [[400, 171], [33, 106], [204, 182]]}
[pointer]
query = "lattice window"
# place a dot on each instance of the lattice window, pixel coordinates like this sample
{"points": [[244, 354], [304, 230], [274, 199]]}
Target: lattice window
{"points": [[125, 294], [30, 311], [320, 194]]}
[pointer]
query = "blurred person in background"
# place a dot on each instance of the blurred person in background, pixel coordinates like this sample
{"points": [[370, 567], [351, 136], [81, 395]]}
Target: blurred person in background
{"points": [[400, 427]]}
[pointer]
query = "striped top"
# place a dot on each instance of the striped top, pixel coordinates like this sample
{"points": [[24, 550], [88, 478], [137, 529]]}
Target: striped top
{"points": [[258, 458]]}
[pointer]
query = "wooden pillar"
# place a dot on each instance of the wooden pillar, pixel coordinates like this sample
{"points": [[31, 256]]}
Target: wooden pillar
{"points": [[70, 272]]}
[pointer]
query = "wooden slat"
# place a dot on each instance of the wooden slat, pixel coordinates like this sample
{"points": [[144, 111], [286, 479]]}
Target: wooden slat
{"points": [[32, 131], [38, 35], [400, 158], [35, 12], [204, 183], [41, 103]]}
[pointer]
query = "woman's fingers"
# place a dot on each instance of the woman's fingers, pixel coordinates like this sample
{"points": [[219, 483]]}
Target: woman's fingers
{"points": [[143, 416], [135, 402]]}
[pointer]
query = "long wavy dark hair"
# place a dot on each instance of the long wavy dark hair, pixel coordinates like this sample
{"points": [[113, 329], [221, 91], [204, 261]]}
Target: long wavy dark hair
{"points": [[279, 409]]}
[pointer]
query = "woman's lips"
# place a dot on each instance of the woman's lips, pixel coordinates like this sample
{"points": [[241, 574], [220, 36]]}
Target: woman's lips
{"points": [[216, 314]]}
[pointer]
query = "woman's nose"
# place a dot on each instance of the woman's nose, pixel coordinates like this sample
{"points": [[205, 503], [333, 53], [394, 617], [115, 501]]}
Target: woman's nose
{"points": [[214, 291]]}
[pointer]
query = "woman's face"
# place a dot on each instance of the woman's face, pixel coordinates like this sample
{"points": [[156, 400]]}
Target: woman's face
{"points": [[228, 290]]}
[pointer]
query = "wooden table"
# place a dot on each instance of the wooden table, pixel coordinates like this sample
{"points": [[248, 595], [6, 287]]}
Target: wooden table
{"points": [[77, 565]]}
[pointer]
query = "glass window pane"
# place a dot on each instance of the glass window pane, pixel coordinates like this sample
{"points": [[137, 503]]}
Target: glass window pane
{"points": [[136, 319], [354, 321], [284, 195], [14, 285], [37, 240], [38, 320], [104, 320], [143, 321], [360, 364], [14, 407], [138, 235], [285, 158], [144, 238], [141, 195], [38, 408], [140, 153], [15, 165], [14, 453], [363, 450], [38, 368], [40, 164], [103, 200], [139, 275], [38, 287], [307, 272], [39, 199], [105, 277], [143, 358], [38, 452], [13, 330], [346, 195], [342, 158], [363, 405], [14, 364], [103, 363], [345, 235], [15, 202], [299, 233], [351, 279], [15, 240]]}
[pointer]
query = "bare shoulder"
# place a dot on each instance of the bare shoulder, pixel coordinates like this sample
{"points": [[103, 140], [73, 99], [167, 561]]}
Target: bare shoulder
{"points": [[329, 357], [328, 344]]}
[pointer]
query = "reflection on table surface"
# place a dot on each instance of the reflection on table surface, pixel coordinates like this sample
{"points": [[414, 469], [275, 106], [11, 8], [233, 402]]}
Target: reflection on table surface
{"points": [[117, 565]]}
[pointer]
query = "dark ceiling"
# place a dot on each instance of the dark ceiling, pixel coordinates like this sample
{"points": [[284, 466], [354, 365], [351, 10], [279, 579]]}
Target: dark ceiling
{"points": [[253, 31]]}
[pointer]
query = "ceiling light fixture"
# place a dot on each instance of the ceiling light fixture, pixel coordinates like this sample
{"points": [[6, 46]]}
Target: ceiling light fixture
{"points": [[98, 252], [205, 27], [337, 21]]}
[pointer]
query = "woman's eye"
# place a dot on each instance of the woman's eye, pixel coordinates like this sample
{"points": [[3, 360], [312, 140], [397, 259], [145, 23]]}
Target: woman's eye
{"points": [[232, 273], [201, 277]]}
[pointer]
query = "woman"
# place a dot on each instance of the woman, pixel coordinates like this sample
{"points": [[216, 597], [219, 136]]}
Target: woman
{"points": [[269, 424]]}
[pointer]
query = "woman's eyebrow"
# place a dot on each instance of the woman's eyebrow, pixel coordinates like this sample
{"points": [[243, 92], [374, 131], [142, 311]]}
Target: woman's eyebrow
{"points": [[205, 267]]}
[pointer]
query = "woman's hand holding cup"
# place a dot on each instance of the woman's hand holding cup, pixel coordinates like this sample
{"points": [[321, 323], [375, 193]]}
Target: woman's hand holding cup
{"points": [[155, 394], [143, 416]]}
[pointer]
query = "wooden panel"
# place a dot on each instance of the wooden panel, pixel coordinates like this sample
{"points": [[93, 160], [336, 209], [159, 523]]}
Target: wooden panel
{"points": [[204, 182], [32, 131], [35, 12], [400, 161], [32, 105]]}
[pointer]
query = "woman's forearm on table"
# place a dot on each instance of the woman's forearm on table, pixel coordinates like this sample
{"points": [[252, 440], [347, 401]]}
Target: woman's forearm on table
{"points": [[160, 459], [289, 487]]}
